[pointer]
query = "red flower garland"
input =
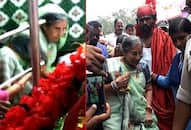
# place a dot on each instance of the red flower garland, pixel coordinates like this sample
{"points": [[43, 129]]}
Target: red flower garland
{"points": [[50, 99]]}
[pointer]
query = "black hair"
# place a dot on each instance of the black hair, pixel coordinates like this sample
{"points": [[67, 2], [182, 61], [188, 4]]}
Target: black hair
{"points": [[179, 24], [129, 26], [188, 3], [130, 42], [93, 31], [95, 24], [116, 20], [120, 38], [154, 16], [20, 44], [51, 18]]}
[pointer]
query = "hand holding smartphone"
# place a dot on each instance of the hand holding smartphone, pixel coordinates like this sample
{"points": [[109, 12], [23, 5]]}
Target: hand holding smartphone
{"points": [[95, 92]]}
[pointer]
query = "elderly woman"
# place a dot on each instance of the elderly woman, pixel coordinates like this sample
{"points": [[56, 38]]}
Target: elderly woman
{"points": [[130, 92], [53, 34]]}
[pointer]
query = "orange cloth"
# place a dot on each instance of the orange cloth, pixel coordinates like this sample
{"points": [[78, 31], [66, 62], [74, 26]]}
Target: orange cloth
{"points": [[146, 10], [163, 52]]}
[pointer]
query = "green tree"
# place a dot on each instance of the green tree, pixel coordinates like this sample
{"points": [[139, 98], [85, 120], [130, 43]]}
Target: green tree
{"points": [[127, 15], [107, 23]]}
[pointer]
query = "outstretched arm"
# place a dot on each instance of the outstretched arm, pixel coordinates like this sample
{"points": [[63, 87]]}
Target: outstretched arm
{"points": [[19, 85], [162, 81]]}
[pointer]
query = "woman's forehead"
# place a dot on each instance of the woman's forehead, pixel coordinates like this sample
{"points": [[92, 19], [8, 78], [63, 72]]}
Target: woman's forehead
{"points": [[60, 22]]}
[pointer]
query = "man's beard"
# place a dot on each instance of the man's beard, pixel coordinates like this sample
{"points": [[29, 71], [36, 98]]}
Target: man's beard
{"points": [[146, 31]]}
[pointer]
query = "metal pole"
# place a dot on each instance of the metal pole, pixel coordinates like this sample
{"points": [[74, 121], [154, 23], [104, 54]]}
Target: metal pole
{"points": [[34, 35], [18, 30]]}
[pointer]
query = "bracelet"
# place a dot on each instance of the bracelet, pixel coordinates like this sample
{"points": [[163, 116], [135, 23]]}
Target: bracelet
{"points": [[114, 85]]}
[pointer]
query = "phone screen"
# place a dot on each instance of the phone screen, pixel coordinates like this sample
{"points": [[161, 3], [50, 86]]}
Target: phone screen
{"points": [[95, 92]]}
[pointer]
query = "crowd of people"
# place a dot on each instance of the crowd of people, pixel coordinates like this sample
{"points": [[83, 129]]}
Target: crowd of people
{"points": [[147, 81], [145, 67]]}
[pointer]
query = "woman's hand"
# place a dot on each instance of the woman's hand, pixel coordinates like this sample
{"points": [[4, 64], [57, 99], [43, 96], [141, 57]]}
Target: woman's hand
{"points": [[153, 76], [148, 118], [122, 82], [43, 71]]}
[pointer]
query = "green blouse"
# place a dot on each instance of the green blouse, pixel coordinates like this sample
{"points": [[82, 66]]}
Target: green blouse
{"points": [[130, 105]]}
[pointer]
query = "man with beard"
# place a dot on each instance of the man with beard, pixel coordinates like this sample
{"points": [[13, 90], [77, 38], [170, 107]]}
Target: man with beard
{"points": [[158, 53]]}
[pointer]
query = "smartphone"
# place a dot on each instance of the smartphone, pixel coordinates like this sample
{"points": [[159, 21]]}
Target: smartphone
{"points": [[95, 92]]}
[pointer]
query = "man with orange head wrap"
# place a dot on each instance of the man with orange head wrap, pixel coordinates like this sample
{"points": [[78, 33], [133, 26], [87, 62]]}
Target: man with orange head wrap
{"points": [[158, 53]]}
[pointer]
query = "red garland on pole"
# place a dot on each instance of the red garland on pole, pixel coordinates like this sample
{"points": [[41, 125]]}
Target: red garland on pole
{"points": [[50, 99]]}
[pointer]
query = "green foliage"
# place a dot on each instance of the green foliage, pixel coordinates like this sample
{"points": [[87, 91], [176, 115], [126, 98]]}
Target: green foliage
{"points": [[60, 123], [107, 24], [128, 16]]}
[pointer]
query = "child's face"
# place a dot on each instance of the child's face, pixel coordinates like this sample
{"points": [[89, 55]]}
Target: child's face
{"points": [[134, 55]]}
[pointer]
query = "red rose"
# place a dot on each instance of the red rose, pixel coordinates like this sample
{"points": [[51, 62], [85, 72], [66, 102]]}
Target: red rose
{"points": [[28, 100], [51, 98], [15, 116]]}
